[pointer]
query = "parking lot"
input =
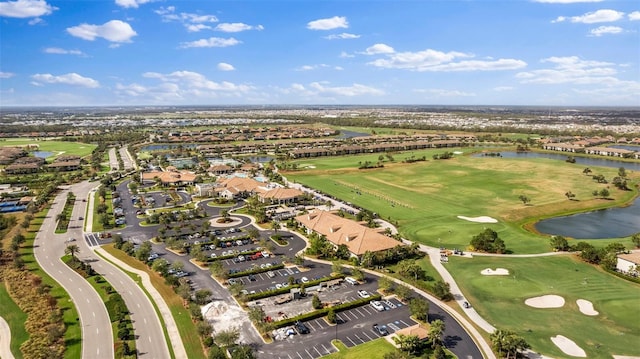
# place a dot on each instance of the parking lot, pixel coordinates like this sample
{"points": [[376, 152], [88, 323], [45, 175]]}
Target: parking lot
{"points": [[355, 326]]}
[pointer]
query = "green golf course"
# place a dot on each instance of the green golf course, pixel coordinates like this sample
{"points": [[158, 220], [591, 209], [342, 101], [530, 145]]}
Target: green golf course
{"points": [[425, 198], [500, 300]]}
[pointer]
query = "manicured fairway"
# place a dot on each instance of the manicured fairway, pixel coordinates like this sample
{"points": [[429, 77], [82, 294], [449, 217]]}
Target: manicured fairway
{"points": [[56, 147], [425, 198], [500, 300]]}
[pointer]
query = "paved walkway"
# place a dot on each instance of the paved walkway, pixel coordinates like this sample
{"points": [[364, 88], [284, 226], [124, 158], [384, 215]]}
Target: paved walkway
{"points": [[5, 340]]}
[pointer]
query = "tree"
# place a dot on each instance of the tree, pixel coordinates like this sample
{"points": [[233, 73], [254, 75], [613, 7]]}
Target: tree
{"points": [[386, 285], [403, 292], [436, 330], [604, 193], [216, 353], [408, 343], [569, 195], [217, 270], [143, 251], [635, 239], [342, 252], [622, 172], [442, 291], [419, 308], [409, 268], [315, 302], [357, 274], [331, 316], [227, 338], [177, 266], [559, 243], [202, 295], [72, 250], [336, 267], [488, 241], [524, 199], [586, 171], [507, 343], [253, 233], [242, 351]]}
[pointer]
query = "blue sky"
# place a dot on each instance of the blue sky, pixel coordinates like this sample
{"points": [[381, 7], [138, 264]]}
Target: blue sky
{"points": [[447, 52]]}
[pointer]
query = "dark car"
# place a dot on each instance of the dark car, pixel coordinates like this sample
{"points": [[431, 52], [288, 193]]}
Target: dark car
{"points": [[301, 328], [380, 329]]}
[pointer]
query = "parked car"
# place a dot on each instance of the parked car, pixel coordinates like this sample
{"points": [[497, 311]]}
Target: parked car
{"points": [[351, 280], [304, 279], [380, 329], [466, 305], [389, 304], [364, 294], [301, 328], [377, 305]]}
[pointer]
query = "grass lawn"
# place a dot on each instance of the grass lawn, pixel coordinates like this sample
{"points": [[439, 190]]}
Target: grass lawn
{"points": [[425, 198], [500, 300], [16, 319], [180, 314], [373, 349], [56, 147]]}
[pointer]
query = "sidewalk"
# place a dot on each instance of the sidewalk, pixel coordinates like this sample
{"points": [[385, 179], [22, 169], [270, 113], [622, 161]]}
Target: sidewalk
{"points": [[5, 340]]}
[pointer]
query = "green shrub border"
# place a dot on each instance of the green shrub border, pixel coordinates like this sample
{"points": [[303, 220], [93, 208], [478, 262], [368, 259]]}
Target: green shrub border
{"points": [[270, 293], [322, 312]]}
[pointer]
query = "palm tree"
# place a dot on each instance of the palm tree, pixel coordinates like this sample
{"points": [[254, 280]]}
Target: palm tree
{"points": [[72, 249], [435, 332]]}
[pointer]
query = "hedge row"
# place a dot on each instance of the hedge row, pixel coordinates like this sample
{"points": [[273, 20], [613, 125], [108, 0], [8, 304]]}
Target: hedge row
{"points": [[322, 312], [623, 276], [256, 270], [270, 293]]}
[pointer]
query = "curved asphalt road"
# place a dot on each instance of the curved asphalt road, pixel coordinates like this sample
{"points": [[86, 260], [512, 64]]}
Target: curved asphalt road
{"points": [[97, 336]]}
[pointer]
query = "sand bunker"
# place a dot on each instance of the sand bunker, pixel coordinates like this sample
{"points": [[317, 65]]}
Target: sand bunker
{"points": [[545, 301], [586, 307], [568, 346], [481, 219], [497, 271]]}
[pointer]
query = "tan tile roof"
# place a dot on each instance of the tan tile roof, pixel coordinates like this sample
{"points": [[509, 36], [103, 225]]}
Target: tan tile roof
{"points": [[281, 193], [241, 184], [358, 238], [170, 176], [633, 257], [418, 330]]}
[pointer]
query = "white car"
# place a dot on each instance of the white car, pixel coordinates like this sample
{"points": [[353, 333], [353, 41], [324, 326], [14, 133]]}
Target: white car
{"points": [[304, 279], [389, 304], [364, 294], [377, 305]]}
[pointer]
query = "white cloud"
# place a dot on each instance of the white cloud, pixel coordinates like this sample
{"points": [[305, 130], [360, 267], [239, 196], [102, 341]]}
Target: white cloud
{"points": [[211, 42], [503, 88], [237, 27], [131, 3], [114, 31], [342, 36], [190, 86], [26, 8], [346, 55], [59, 51], [67, 79], [565, 1], [353, 90], [634, 16], [328, 24], [602, 15], [379, 49], [445, 93], [192, 22], [571, 69], [602, 30], [197, 27], [433, 60], [223, 66], [6, 75]]}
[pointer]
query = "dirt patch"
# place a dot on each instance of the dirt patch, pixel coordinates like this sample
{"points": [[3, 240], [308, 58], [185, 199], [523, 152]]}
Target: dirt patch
{"points": [[224, 317]]}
